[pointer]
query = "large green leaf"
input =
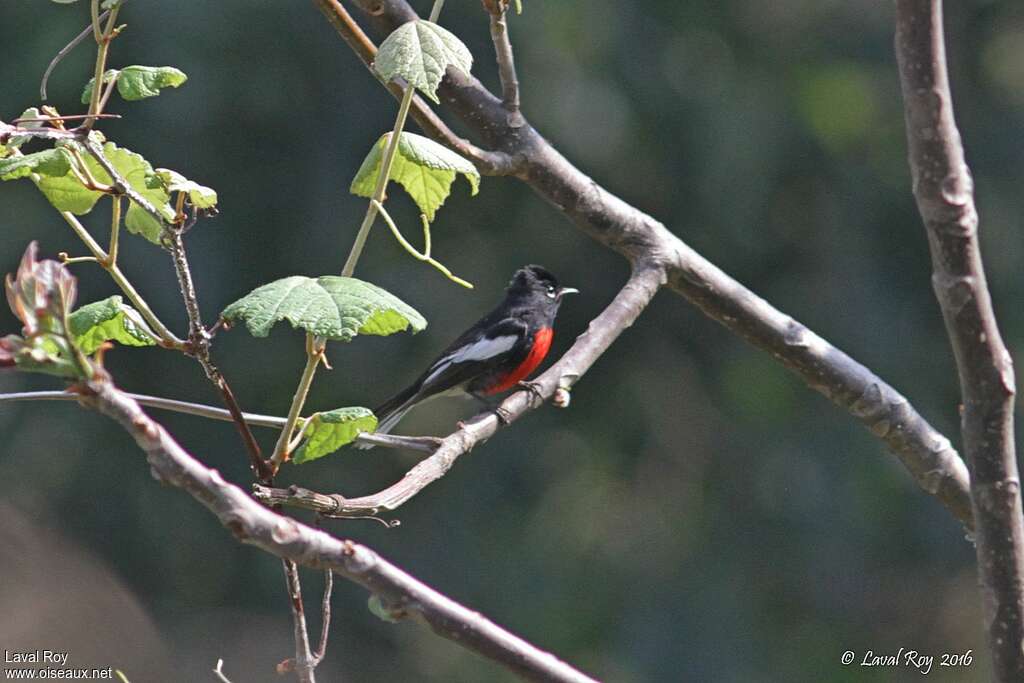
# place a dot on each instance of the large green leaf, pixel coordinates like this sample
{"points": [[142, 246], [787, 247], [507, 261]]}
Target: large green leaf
{"points": [[67, 193], [329, 431], [139, 82], [420, 52], [49, 162], [331, 306], [423, 167], [109, 320]]}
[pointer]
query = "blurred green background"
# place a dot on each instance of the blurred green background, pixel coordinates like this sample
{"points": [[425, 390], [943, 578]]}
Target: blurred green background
{"points": [[697, 514]]}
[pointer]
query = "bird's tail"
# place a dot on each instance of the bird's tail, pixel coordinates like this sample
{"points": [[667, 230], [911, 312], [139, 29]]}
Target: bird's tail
{"points": [[391, 412]]}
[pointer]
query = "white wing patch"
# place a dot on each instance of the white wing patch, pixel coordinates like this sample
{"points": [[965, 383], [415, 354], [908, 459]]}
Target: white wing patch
{"points": [[479, 350]]}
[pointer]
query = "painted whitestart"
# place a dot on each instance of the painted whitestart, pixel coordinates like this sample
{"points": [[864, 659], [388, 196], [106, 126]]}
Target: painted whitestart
{"points": [[493, 355]]}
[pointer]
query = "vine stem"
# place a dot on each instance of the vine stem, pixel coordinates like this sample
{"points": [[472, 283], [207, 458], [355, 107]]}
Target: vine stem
{"points": [[103, 37], [382, 182], [314, 354], [115, 230], [385, 168], [425, 256]]}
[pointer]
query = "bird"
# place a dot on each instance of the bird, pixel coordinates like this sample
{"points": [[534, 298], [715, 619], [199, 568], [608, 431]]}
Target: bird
{"points": [[494, 355]]}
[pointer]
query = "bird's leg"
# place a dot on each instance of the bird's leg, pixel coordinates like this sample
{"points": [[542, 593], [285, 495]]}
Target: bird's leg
{"points": [[493, 405]]}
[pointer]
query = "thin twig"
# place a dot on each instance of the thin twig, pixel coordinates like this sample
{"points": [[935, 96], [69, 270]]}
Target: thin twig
{"points": [[422, 444], [115, 231], [303, 656], [926, 453], [64, 53], [325, 617], [506, 65], [103, 36], [8, 131], [945, 198], [325, 612], [314, 355], [412, 251], [253, 523], [64, 117]]}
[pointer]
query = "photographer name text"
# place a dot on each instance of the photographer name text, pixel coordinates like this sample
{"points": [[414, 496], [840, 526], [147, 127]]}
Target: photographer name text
{"points": [[35, 656]]}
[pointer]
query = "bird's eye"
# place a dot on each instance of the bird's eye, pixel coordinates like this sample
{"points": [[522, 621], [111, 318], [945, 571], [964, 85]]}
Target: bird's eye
{"points": [[552, 291]]}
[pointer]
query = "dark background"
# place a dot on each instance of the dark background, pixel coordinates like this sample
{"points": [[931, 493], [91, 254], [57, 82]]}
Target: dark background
{"points": [[697, 514]]}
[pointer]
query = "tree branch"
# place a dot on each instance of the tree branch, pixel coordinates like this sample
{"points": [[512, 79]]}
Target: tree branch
{"points": [[252, 523], [926, 453], [944, 192], [506, 63]]}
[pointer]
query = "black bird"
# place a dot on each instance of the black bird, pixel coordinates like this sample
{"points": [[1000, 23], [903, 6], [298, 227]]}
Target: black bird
{"points": [[493, 355]]}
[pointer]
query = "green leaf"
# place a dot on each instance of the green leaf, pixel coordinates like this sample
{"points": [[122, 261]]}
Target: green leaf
{"points": [[67, 193], [331, 306], [202, 197], [420, 52], [109, 320], [329, 431], [139, 82], [49, 162], [423, 167]]}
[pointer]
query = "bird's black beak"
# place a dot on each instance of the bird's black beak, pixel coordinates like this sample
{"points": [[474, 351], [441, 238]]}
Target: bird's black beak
{"points": [[567, 290]]}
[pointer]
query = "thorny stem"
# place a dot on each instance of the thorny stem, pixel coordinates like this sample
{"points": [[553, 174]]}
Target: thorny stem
{"points": [[314, 354], [385, 168]]}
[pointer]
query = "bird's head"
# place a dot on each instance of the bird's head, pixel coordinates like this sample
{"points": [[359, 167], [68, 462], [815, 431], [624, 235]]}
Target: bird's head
{"points": [[537, 282]]}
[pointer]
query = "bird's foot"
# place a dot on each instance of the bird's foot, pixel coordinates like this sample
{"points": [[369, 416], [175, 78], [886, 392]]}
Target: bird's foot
{"points": [[535, 391], [504, 416]]}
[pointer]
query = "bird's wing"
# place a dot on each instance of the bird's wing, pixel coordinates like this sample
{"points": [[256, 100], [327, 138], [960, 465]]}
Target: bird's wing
{"points": [[471, 354]]}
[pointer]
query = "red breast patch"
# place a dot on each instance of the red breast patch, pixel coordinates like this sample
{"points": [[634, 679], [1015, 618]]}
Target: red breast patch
{"points": [[541, 346]]}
